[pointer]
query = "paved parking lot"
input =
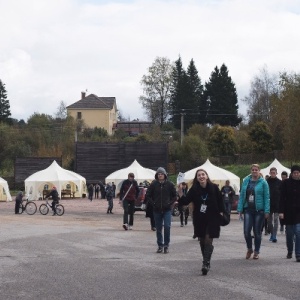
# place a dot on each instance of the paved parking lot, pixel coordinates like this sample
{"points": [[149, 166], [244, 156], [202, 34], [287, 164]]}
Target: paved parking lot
{"points": [[86, 254]]}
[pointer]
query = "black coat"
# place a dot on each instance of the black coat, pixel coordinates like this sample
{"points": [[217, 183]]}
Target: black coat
{"points": [[161, 195], [274, 187], [289, 203], [209, 221]]}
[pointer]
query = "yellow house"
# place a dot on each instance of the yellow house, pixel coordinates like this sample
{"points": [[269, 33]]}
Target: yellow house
{"points": [[95, 111]]}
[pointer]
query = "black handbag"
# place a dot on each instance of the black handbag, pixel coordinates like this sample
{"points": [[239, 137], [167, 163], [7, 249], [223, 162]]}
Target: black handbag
{"points": [[225, 219]]}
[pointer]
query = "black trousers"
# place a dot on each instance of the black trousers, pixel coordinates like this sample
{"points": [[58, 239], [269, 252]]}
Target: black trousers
{"points": [[17, 206]]}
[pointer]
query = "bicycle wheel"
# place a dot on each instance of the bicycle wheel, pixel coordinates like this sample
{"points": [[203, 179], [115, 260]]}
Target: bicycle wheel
{"points": [[44, 209], [59, 210], [21, 208], [30, 208]]}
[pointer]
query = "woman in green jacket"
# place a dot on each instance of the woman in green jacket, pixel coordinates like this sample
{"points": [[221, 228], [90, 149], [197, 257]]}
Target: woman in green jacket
{"points": [[254, 203]]}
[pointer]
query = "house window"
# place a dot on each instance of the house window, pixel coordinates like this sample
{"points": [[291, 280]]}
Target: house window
{"points": [[79, 115]]}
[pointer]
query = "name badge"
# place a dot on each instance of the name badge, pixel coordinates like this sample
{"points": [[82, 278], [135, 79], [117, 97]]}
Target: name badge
{"points": [[203, 208], [251, 198], [226, 195]]}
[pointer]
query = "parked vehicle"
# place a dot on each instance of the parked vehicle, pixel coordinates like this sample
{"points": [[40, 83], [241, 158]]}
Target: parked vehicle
{"points": [[235, 202], [140, 200], [175, 210]]}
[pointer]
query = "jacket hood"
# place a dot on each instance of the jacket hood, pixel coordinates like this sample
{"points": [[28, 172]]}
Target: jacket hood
{"points": [[161, 170]]}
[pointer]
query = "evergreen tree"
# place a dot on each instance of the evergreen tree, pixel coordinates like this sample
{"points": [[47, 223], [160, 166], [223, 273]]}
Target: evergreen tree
{"points": [[194, 102], [221, 95], [4, 104], [179, 88]]}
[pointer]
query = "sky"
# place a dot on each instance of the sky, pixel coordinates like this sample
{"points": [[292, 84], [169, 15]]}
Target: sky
{"points": [[52, 50]]}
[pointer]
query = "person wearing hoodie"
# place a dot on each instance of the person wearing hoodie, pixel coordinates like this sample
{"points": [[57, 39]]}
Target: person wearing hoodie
{"points": [[289, 211], [161, 194], [19, 198], [274, 187], [254, 203]]}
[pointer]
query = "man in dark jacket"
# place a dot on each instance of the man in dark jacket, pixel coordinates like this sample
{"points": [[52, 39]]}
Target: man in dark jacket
{"points": [[289, 211], [274, 187], [128, 194], [161, 194], [227, 192], [54, 195], [19, 198]]}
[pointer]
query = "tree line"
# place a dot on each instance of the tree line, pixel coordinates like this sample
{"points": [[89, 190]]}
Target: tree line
{"points": [[170, 91], [213, 126]]}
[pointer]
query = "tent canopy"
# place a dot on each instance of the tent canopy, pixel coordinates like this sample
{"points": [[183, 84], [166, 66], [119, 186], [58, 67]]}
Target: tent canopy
{"points": [[217, 175], [140, 174], [54, 175], [4, 191], [280, 168]]}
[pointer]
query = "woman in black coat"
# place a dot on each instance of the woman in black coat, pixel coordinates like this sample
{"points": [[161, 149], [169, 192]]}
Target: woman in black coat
{"points": [[207, 214]]}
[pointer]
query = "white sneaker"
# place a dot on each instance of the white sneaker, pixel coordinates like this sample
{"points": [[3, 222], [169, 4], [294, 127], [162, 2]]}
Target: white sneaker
{"points": [[130, 227], [125, 226]]}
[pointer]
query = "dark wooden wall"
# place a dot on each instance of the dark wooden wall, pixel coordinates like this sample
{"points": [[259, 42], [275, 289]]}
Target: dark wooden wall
{"points": [[95, 161], [26, 166]]}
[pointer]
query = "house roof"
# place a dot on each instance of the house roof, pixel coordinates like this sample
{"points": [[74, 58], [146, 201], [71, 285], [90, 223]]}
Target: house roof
{"points": [[93, 102]]}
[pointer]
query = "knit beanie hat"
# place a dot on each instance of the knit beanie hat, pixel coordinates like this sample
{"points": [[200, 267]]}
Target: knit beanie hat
{"points": [[295, 168]]}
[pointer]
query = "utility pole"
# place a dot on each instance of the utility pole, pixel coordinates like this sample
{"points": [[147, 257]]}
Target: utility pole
{"points": [[182, 126]]}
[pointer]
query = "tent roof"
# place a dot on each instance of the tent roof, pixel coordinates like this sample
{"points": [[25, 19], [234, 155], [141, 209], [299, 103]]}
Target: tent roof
{"points": [[54, 173], [140, 173], [277, 165], [216, 175], [4, 184], [214, 172]]}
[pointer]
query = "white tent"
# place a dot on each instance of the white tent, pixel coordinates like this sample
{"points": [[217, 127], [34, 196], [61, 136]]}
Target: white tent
{"points": [[54, 175], [4, 191], [280, 168], [140, 174], [216, 175]]}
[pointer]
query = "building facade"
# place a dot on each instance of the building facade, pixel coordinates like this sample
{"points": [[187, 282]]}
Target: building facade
{"points": [[100, 112]]}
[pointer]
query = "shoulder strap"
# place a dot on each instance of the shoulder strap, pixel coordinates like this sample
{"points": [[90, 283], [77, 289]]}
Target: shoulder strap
{"points": [[127, 192]]}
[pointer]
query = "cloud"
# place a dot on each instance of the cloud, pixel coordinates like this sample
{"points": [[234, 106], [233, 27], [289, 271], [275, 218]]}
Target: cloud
{"points": [[52, 50]]}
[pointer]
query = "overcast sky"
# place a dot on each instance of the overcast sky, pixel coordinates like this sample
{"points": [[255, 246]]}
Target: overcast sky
{"points": [[51, 50]]}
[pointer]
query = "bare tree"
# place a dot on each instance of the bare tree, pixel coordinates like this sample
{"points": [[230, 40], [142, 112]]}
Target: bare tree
{"points": [[156, 88], [263, 88], [61, 112]]}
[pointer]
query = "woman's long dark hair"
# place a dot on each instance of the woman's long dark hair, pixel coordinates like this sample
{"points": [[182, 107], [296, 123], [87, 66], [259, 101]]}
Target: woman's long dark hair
{"points": [[195, 181]]}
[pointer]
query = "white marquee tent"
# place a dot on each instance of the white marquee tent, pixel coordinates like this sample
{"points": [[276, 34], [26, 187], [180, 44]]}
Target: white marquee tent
{"points": [[280, 168], [140, 174], [4, 191], [56, 176], [217, 175]]}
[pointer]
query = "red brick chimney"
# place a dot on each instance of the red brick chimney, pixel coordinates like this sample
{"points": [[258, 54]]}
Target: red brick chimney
{"points": [[82, 95]]}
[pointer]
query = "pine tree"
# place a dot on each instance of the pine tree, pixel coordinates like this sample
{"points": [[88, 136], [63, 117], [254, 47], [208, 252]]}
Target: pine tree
{"points": [[222, 99], [194, 103], [179, 88], [4, 104]]}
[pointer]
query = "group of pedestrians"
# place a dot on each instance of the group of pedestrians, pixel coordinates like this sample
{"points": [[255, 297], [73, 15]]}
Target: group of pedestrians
{"points": [[269, 199], [259, 199]]}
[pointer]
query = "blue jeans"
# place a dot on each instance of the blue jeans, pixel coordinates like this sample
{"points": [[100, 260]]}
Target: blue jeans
{"points": [[228, 207], [163, 219], [253, 219], [293, 231]]}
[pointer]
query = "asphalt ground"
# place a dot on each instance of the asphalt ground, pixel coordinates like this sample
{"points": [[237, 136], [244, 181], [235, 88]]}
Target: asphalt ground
{"points": [[86, 254]]}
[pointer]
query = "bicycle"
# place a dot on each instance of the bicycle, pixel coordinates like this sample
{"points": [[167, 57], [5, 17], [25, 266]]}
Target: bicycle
{"points": [[29, 207], [44, 208]]}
